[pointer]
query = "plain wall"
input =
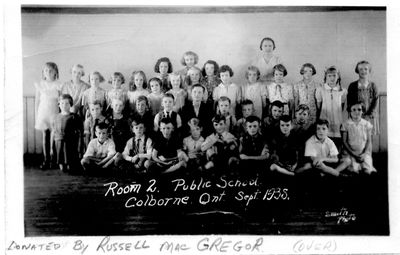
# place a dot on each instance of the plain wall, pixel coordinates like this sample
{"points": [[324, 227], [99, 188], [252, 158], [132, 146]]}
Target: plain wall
{"points": [[128, 42]]}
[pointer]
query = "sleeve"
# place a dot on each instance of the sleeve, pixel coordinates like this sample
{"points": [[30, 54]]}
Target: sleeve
{"points": [[86, 127], [127, 148], [215, 94], [178, 121], [290, 92], [344, 127], [318, 95], [111, 148], [344, 96], [374, 100], [90, 149], [185, 146], [149, 147], [156, 121], [333, 151], [310, 150]]}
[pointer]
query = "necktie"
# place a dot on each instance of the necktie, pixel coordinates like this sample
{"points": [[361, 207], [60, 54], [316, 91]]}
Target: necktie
{"points": [[138, 145]]}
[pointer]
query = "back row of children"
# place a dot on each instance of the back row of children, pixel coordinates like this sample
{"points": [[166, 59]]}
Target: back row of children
{"points": [[189, 96]]}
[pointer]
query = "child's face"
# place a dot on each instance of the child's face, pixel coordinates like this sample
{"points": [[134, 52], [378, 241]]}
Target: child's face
{"points": [[95, 110], [252, 76], [76, 73], [302, 116], [363, 70], [49, 73], [117, 106], [278, 76], [101, 134], [197, 94], [267, 46], [189, 60], [167, 103], [209, 69], [285, 127], [166, 129], [322, 132], [195, 132], [252, 127], [247, 110], [163, 67], [138, 80], [116, 82], [194, 76], [307, 73], [155, 87], [356, 112], [276, 112], [94, 80], [219, 126], [138, 129], [176, 81], [64, 105], [223, 107], [225, 77], [331, 78], [140, 106]]}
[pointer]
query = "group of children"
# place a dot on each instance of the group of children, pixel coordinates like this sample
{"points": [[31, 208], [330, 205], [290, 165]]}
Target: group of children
{"points": [[198, 120]]}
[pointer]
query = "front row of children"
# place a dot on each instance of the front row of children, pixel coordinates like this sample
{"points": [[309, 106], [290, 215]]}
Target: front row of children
{"points": [[295, 148]]}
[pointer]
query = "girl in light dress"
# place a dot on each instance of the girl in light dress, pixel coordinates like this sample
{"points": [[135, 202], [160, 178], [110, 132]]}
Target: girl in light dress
{"points": [[156, 95], [304, 91], [162, 69], [279, 90], [366, 91], [331, 98], [75, 88], [255, 91], [179, 93], [94, 93], [46, 107], [137, 87]]}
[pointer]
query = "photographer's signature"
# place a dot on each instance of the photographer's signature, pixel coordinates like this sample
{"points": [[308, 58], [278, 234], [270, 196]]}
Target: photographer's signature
{"points": [[343, 216]]}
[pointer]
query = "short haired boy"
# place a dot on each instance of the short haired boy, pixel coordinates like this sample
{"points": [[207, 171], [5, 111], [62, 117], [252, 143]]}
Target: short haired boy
{"points": [[100, 152], [303, 129], [284, 151], [168, 112], [223, 108], [321, 150], [137, 152], [192, 145], [220, 147], [247, 110], [271, 123], [253, 150], [167, 156], [96, 117], [66, 130]]}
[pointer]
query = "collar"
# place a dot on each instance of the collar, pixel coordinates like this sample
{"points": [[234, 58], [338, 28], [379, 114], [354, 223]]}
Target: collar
{"points": [[327, 87], [316, 140], [141, 137], [104, 143]]}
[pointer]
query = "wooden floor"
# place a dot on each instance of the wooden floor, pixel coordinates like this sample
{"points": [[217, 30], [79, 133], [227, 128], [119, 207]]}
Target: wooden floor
{"points": [[58, 203]]}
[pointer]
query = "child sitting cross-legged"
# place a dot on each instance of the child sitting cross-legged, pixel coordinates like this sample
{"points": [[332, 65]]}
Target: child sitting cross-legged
{"points": [[137, 152], [253, 150], [100, 152], [220, 147], [192, 145]]}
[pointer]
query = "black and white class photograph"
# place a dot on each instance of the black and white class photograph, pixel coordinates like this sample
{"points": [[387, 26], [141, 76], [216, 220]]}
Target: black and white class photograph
{"points": [[204, 120]]}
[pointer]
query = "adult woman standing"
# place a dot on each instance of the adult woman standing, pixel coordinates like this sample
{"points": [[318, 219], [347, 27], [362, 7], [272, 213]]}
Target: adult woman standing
{"points": [[267, 60]]}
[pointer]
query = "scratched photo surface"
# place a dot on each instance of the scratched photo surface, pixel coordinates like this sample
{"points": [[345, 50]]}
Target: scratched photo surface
{"points": [[242, 200]]}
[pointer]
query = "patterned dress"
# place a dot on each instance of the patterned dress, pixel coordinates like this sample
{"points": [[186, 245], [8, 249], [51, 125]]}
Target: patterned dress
{"points": [[305, 94]]}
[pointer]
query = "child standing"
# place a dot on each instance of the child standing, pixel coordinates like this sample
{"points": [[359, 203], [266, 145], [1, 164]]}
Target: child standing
{"points": [[120, 125], [142, 113], [155, 97], [255, 91], [253, 150], [303, 129], [227, 88], [330, 103], [94, 93], [46, 107], [162, 69], [168, 112], [271, 123], [117, 92], [66, 131], [284, 151], [189, 59], [137, 87], [223, 108], [247, 111], [100, 152], [192, 145], [304, 90], [366, 91], [210, 78], [137, 151], [75, 87], [167, 156], [96, 117], [356, 134], [280, 90], [177, 91], [220, 147]]}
